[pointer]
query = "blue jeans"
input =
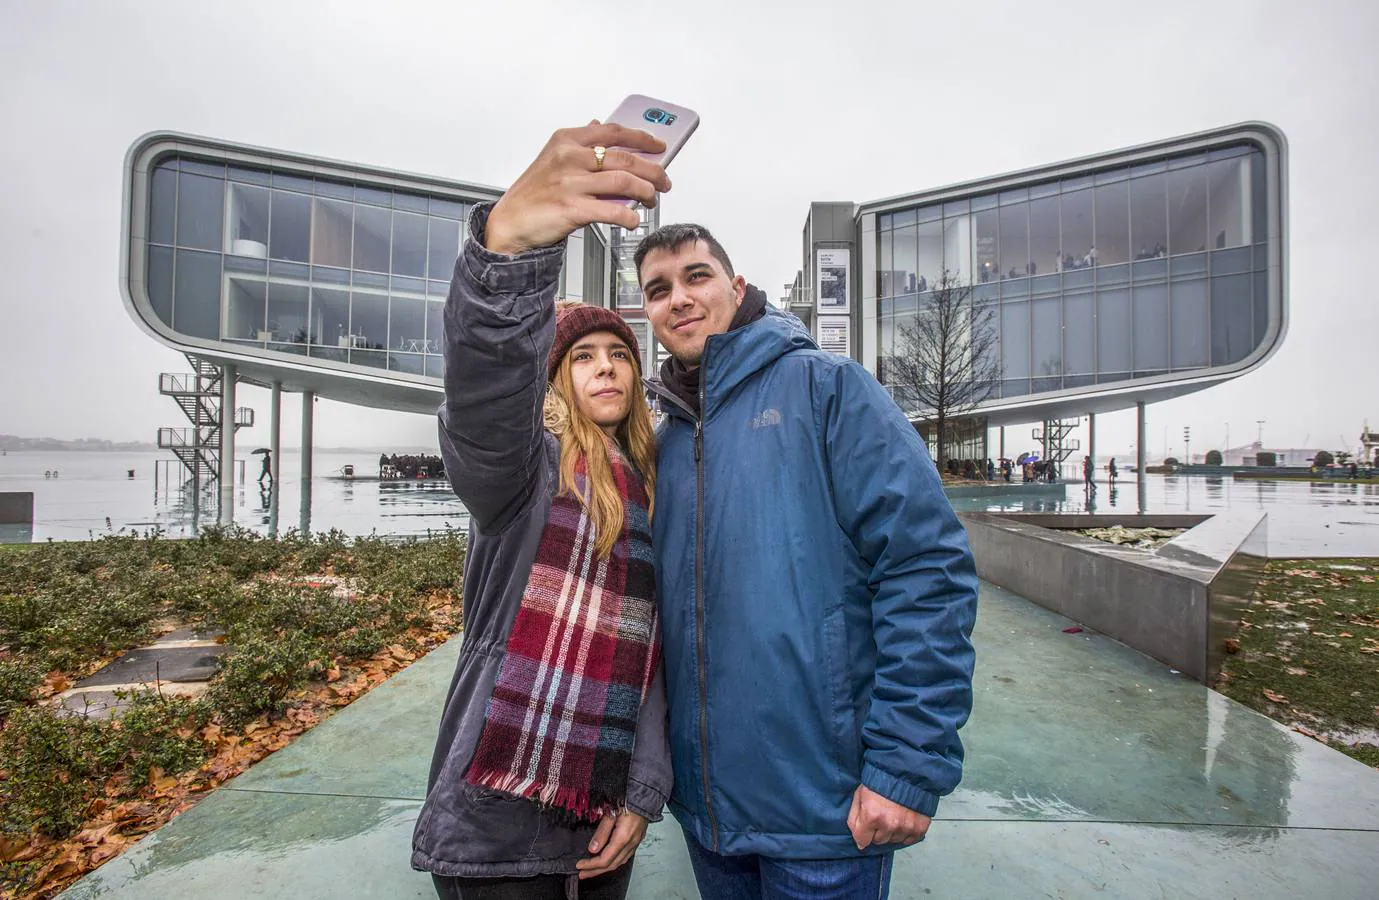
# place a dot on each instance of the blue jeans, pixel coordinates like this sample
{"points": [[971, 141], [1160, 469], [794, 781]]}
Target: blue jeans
{"points": [[765, 878]]}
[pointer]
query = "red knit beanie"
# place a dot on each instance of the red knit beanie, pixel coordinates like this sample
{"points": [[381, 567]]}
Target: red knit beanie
{"points": [[574, 322]]}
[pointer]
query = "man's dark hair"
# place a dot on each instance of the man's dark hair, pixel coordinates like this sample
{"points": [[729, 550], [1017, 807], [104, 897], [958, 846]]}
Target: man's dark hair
{"points": [[673, 237]]}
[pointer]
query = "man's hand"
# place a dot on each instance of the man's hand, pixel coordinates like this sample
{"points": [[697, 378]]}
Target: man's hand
{"points": [[876, 820], [614, 842], [560, 190]]}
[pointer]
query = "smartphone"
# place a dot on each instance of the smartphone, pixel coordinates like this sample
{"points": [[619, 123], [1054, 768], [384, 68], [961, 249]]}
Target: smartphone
{"points": [[672, 124]]}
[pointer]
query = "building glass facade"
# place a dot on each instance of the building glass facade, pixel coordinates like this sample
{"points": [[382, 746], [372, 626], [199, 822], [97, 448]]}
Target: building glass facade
{"points": [[1123, 273], [333, 270]]}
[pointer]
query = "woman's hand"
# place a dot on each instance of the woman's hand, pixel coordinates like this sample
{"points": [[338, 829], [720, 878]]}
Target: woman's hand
{"points": [[614, 842]]}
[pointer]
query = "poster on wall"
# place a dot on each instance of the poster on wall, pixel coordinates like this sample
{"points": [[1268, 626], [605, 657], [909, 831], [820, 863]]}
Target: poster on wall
{"points": [[832, 290], [835, 335]]}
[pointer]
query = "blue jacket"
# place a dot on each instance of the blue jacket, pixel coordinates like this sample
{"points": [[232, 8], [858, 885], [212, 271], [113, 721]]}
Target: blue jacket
{"points": [[817, 599]]}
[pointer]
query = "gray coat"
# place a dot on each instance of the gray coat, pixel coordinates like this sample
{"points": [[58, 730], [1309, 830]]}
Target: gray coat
{"points": [[499, 327]]}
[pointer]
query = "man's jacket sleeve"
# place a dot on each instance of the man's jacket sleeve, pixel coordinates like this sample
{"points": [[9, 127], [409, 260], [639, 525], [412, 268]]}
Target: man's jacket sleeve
{"points": [[890, 502]]}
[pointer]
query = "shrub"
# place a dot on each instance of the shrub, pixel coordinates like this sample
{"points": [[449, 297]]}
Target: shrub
{"points": [[1213, 457], [257, 678], [1323, 458], [18, 678], [1266, 458], [1172, 462]]}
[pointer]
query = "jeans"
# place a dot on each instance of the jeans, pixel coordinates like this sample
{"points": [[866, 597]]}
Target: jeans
{"points": [[609, 886], [764, 878]]}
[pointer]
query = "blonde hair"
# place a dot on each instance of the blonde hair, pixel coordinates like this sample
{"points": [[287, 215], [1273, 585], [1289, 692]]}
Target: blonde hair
{"points": [[579, 435]]}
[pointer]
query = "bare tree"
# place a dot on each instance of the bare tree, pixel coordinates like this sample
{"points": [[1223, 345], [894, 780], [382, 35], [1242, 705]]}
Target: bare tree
{"points": [[946, 359]]}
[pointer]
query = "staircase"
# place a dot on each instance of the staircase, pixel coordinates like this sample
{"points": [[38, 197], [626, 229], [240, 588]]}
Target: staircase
{"points": [[1054, 439], [198, 395]]}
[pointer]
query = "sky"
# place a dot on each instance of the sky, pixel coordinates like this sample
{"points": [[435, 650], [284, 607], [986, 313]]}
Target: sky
{"points": [[799, 102]]}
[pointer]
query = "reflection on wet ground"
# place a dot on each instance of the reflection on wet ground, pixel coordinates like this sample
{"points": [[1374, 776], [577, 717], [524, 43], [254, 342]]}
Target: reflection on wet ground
{"points": [[1091, 770]]}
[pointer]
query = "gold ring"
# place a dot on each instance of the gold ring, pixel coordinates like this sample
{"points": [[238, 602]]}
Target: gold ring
{"points": [[599, 153]]}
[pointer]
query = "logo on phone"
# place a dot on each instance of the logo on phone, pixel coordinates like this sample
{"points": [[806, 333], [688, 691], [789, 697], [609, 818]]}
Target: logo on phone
{"points": [[658, 117]]}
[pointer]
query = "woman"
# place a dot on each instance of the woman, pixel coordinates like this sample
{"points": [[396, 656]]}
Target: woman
{"points": [[552, 753]]}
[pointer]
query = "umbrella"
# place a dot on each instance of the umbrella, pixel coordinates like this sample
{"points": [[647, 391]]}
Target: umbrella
{"points": [[260, 450]]}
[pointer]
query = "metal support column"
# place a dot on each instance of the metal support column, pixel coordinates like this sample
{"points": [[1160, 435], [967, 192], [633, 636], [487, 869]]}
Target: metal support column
{"points": [[1003, 442], [1140, 455], [274, 444], [308, 408], [228, 377], [1091, 442]]}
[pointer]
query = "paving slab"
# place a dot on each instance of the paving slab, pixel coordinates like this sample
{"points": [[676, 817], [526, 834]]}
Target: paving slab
{"points": [[150, 664], [1092, 771]]}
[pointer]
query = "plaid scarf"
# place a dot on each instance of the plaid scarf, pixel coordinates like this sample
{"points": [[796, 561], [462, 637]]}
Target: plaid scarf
{"points": [[561, 723]]}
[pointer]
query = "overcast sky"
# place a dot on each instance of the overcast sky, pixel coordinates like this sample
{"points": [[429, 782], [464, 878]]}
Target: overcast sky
{"points": [[820, 101]]}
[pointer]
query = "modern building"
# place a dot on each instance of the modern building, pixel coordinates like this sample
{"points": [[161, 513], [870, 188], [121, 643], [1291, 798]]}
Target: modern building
{"points": [[322, 276], [300, 274], [1107, 282]]}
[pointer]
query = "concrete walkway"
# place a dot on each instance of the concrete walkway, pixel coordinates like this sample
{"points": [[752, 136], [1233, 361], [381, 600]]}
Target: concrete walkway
{"points": [[1092, 771]]}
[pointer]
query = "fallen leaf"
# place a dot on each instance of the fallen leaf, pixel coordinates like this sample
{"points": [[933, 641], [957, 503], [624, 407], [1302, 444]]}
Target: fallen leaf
{"points": [[333, 673], [1291, 670], [1072, 630], [1231, 645], [1276, 698]]}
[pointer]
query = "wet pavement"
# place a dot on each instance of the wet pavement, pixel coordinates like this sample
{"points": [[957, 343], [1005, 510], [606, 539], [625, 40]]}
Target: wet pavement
{"points": [[1092, 771]]}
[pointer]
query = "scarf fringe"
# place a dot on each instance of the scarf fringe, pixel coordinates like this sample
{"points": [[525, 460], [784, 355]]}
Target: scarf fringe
{"points": [[571, 805]]}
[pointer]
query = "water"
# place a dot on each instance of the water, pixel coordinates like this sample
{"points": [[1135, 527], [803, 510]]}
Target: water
{"points": [[93, 495], [1305, 519]]}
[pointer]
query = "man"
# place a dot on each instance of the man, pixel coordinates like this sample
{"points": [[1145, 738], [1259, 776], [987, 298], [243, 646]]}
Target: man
{"points": [[816, 590], [817, 594]]}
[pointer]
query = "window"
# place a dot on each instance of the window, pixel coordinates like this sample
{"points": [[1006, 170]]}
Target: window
{"points": [[248, 222], [986, 262], [196, 297], [1047, 356], [200, 209], [1078, 238], [435, 326], [906, 248], [1043, 236], [330, 317], [372, 234], [1151, 329], [368, 324], [162, 205], [333, 235], [929, 268], [443, 249], [407, 325], [1079, 334], [1228, 203], [288, 321], [289, 233], [1112, 223], [1014, 243], [1149, 217], [1190, 326], [1232, 334], [409, 245], [245, 300], [160, 283], [1113, 334], [1015, 341], [885, 265], [957, 246], [1187, 210]]}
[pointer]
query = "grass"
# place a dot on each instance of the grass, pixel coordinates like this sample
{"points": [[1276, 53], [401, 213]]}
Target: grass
{"points": [[1308, 652], [312, 623]]}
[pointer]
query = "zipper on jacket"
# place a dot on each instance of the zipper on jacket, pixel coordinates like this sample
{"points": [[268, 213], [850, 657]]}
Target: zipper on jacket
{"points": [[699, 619]]}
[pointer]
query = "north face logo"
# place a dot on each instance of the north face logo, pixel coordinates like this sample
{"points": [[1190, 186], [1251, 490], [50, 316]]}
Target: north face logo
{"points": [[767, 418]]}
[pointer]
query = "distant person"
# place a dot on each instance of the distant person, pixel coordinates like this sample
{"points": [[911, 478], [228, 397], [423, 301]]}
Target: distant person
{"points": [[1113, 470], [382, 464], [267, 469], [1087, 469]]}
